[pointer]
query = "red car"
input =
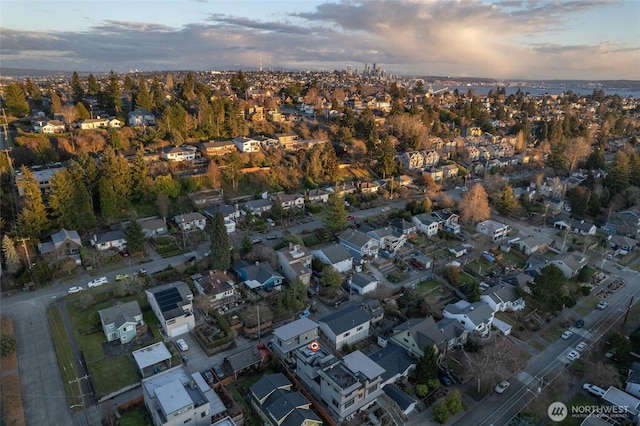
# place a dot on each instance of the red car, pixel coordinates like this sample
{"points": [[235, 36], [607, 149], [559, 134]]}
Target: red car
{"points": [[417, 265], [351, 217]]}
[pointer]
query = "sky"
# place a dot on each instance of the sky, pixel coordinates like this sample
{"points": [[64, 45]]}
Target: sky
{"points": [[502, 39]]}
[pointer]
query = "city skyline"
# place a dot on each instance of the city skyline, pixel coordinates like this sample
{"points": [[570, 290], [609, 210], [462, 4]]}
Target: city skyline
{"points": [[508, 39]]}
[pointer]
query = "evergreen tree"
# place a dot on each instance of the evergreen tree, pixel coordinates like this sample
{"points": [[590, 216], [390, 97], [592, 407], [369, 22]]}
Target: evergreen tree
{"points": [[56, 103], [507, 202], [11, 258], [93, 86], [82, 111], [85, 173], [165, 184], [157, 94], [109, 208], [117, 172], [15, 100], [33, 91], [141, 182], [234, 164], [32, 219], [386, 157], [329, 161], [618, 178], [77, 91], [427, 365], [549, 287], [220, 247], [135, 237], [336, 218], [70, 202], [112, 94], [142, 97], [330, 277]]}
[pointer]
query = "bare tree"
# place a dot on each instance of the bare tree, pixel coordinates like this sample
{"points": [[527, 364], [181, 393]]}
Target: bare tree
{"points": [[474, 206], [577, 149], [70, 114]]}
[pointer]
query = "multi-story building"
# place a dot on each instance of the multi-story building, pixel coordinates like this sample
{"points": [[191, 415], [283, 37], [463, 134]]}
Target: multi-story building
{"points": [[296, 334], [295, 262], [173, 305]]}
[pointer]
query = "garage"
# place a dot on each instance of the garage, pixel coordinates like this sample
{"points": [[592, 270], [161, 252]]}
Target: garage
{"points": [[175, 332]]}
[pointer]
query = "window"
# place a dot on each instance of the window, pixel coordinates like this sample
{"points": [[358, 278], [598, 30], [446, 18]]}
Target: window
{"points": [[360, 328], [203, 414], [346, 334]]}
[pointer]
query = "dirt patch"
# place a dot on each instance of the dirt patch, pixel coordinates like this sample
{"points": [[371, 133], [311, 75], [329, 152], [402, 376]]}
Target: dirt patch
{"points": [[12, 409]]}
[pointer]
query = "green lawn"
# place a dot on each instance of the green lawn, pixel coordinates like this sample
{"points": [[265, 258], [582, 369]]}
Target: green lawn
{"points": [[429, 286], [553, 333], [481, 266], [579, 399], [512, 258], [137, 417], [466, 278], [112, 374]]}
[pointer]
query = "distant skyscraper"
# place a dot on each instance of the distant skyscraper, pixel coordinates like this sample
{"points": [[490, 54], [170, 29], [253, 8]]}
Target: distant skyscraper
{"points": [[349, 70]]}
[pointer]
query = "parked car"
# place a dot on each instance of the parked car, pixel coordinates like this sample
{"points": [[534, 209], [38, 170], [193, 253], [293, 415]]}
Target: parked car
{"points": [[573, 355], [351, 217], [256, 241], [141, 271], [124, 253], [581, 346], [75, 289], [416, 264], [579, 323], [272, 237], [502, 386], [271, 222], [445, 380], [594, 390], [208, 376], [218, 370], [121, 277], [567, 334], [304, 314], [602, 304], [182, 345], [97, 282]]}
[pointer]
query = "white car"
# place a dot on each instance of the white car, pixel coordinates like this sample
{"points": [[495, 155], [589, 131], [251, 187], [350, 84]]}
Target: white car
{"points": [[182, 345], [603, 304], [97, 282], [594, 390], [502, 386], [581, 346], [567, 334], [573, 355], [76, 289]]}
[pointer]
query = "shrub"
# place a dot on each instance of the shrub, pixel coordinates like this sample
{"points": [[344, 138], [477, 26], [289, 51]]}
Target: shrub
{"points": [[8, 344], [422, 390], [440, 413]]}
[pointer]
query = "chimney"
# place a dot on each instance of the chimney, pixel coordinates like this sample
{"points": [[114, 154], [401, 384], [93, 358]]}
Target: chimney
{"points": [[257, 262]]}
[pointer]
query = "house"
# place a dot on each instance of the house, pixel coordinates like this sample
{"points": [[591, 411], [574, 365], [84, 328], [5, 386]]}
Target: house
{"points": [[369, 187], [152, 359], [402, 227], [175, 397], [335, 255], [411, 160], [359, 244], [363, 283], [141, 117], [121, 321], [474, 317], [436, 175], [628, 405], [447, 220], [258, 207], [622, 245], [503, 298], [288, 201], [180, 153], [375, 309], [417, 334], [43, 177], [291, 336], [458, 251], [218, 288], [277, 402], [576, 226], [632, 383], [190, 221], [350, 385], [109, 240], [531, 244], [388, 240], [153, 226], [346, 326], [449, 170], [404, 402], [49, 126], [295, 262], [395, 361], [173, 305], [258, 276], [245, 144], [114, 123], [64, 243], [317, 196], [494, 230], [217, 148], [431, 158], [93, 123], [426, 224], [570, 264], [230, 214]]}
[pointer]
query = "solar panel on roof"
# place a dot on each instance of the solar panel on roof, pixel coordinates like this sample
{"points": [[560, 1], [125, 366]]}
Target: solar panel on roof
{"points": [[168, 299]]}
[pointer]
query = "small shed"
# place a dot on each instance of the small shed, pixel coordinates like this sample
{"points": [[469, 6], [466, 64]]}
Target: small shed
{"points": [[251, 357], [152, 359]]}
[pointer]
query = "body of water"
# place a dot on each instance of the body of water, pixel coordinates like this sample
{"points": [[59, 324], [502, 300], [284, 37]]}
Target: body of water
{"points": [[538, 91]]}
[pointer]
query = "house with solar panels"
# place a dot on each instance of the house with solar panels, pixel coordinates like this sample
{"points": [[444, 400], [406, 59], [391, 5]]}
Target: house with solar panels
{"points": [[173, 305]]}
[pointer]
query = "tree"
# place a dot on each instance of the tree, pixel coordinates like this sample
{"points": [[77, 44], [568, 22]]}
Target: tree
{"points": [[112, 93], [56, 103], [576, 149], [507, 202], [473, 292], [549, 287], [93, 86], [141, 182], [618, 178], [32, 219], [427, 365], [474, 206], [11, 258], [8, 344], [135, 237], [220, 247], [70, 202], [386, 157], [441, 413], [213, 173], [69, 114], [335, 219], [294, 297], [234, 164], [77, 91], [167, 185], [15, 100], [330, 277], [142, 96]]}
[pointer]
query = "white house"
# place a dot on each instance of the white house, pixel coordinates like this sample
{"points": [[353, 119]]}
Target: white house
{"points": [[108, 240], [141, 117], [335, 255], [494, 230], [426, 224], [475, 317], [503, 298], [570, 264], [346, 326], [245, 144], [180, 153], [190, 221], [173, 305], [363, 283]]}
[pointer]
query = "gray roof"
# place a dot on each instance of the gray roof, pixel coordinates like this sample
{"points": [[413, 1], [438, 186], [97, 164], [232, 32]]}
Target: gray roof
{"points": [[394, 359], [189, 217], [398, 396], [450, 328], [634, 373], [269, 383], [478, 312], [361, 279], [336, 253], [120, 313], [225, 209], [60, 237], [109, 236], [346, 319], [260, 273], [354, 237], [503, 293], [294, 328], [151, 355], [358, 362], [426, 218], [298, 417], [281, 403], [424, 331]]}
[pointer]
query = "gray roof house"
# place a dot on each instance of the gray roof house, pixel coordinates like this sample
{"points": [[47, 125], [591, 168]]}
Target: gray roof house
{"points": [[64, 243], [415, 334], [292, 336], [405, 403], [359, 244], [396, 362], [110, 239], [172, 304], [153, 226], [335, 255], [475, 317], [346, 326], [121, 321], [570, 263], [503, 298], [363, 283]]}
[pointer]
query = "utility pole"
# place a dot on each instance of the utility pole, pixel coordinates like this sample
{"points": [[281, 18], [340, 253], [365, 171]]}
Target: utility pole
{"points": [[626, 314], [84, 406], [23, 240]]}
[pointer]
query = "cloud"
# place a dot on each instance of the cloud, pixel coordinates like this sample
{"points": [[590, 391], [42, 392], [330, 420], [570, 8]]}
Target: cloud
{"points": [[464, 37]]}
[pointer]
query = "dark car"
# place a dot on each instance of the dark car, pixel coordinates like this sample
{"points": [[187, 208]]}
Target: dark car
{"points": [[445, 380], [218, 370], [579, 323], [208, 376]]}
